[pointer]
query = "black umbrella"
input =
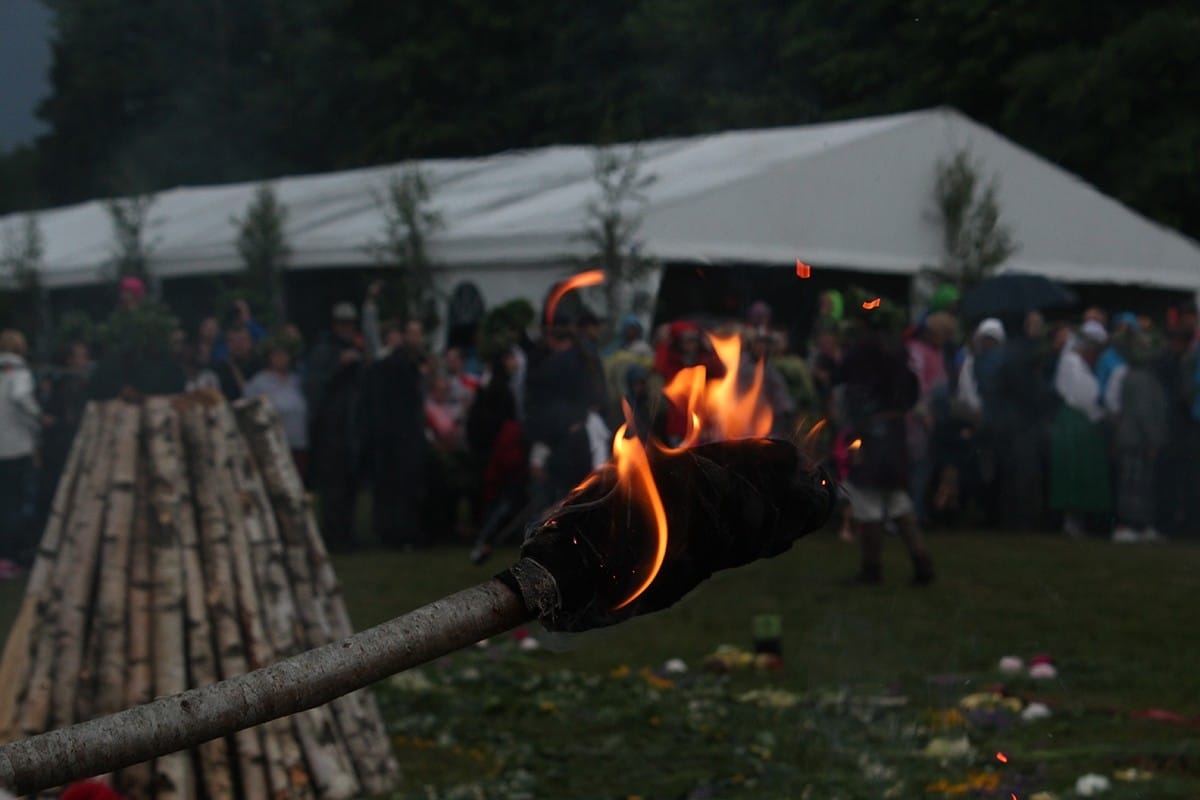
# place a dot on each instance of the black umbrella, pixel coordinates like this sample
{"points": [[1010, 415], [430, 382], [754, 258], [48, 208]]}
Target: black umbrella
{"points": [[1014, 293]]}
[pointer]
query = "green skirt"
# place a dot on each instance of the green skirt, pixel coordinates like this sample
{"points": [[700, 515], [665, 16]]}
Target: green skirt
{"points": [[1079, 465]]}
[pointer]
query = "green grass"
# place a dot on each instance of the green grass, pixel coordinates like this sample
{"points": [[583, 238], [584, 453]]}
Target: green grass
{"points": [[1120, 623]]}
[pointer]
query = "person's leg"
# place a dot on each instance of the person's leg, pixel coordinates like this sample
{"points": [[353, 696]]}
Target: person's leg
{"points": [[918, 550], [866, 510], [10, 506]]}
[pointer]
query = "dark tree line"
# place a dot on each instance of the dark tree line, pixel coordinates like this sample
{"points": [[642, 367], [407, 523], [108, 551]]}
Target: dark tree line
{"points": [[148, 94]]}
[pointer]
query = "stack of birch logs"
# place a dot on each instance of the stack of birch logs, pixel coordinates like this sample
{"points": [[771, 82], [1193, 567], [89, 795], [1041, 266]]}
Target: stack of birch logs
{"points": [[181, 550]]}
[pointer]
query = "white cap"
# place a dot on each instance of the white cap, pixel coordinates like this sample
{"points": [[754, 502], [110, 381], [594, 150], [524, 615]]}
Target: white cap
{"points": [[991, 328], [1094, 332]]}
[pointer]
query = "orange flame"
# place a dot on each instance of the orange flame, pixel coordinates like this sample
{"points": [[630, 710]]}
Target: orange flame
{"points": [[1002, 758], [634, 476], [868, 305], [857, 443], [803, 270], [716, 409], [592, 277]]}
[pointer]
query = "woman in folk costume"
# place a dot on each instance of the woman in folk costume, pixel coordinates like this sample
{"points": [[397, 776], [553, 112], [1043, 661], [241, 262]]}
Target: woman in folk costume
{"points": [[1136, 399], [1079, 479]]}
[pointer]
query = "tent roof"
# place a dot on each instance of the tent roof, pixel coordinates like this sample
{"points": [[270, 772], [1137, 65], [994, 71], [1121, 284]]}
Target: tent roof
{"points": [[853, 195]]}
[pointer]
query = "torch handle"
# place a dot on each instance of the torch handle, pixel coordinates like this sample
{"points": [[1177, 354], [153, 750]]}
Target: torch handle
{"points": [[296, 684]]}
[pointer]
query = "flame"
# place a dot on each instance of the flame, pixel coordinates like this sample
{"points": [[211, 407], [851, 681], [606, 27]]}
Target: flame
{"points": [[869, 305], [635, 477], [717, 408], [803, 270], [1002, 758], [857, 443], [592, 277]]}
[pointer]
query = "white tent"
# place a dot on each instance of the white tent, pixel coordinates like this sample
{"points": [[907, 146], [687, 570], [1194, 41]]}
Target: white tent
{"points": [[851, 195]]}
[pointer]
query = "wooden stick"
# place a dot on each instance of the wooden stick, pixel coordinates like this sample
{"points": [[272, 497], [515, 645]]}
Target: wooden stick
{"points": [[173, 772], [286, 687]]}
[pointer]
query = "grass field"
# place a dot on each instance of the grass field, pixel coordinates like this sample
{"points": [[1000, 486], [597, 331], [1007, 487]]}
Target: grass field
{"points": [[871, 676]]}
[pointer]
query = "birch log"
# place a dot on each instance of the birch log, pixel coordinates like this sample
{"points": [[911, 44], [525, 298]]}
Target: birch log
{"points": [[173, 779], [222, 600], [319, 601], [22, 638]]}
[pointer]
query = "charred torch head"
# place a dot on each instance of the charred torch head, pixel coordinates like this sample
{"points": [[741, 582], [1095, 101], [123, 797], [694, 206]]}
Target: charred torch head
{"points": [[725, 504]]}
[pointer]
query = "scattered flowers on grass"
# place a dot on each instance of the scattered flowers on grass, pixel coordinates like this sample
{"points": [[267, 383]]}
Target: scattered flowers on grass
{"points": [[1133, 775], [619, 673], [655, 681], [1042, 796], [529, 644], [1043, 671], [1035, 711], [1011, 665], [946, 748], [769, 698], [976, 782], [1091, 784], [947, 720], [675, 666], [989, 701]]}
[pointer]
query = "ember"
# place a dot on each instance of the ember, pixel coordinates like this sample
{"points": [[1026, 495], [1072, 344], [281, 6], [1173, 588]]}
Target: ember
{"points": [[803, 270]]}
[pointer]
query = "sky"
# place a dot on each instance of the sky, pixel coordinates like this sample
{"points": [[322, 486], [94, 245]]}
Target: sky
{"points": [[24, 65]]}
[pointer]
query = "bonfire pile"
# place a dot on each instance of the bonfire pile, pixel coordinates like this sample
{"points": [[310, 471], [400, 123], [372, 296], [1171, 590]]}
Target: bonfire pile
{"points": [[181, 550]]}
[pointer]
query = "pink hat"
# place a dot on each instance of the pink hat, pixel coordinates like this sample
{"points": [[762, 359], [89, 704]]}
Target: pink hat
{"points": [[131, 284]]}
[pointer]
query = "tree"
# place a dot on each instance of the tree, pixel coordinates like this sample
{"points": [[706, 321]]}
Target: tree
{"points": [[22, 259], [130, 217], [974, 240], [614, 220], [408, 222], [262, 244]]}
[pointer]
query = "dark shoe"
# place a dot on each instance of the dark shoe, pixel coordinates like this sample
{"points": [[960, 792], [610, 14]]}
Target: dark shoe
{"points": [[922, 573]]}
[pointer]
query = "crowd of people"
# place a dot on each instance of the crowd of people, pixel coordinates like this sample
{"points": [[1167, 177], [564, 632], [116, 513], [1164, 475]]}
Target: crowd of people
{"points": [[1088, 425]]}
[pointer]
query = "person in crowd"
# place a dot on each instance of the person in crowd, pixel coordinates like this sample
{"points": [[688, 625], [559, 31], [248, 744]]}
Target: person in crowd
{"points": [[1021, 418], [1138, 406], [1124, 326], [452, 471], [372, 329], [63, 405], [208, 332], [278, 382], [332, 387], [684, 345], [559, 394], [798, 381], [826, 357], [1079, 477], [775, 390], [20, 425], [395, 445], [878, 390], [198, 377], [629, 350], [131, 291], [1097, 315], [925, 356], [977, 388], [240, 362], [412, 339], [460, 386], [237, 317], [631, 337], [495, 436]]}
